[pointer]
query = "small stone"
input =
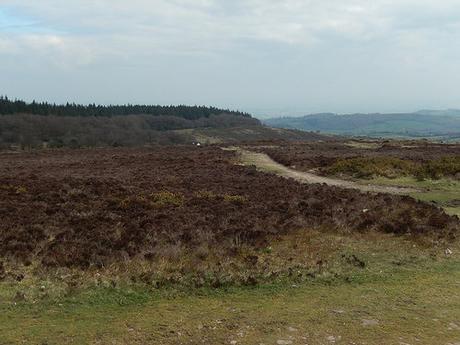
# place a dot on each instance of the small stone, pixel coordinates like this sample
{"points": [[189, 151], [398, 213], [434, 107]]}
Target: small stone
{"points": [[284, 342], [233, 342], [292, 329], [453, 326], [448, 251], [331, 339], [370, 322]]}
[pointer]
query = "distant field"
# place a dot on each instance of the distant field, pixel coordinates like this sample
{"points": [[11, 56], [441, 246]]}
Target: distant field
{"points": [[435, 125]]}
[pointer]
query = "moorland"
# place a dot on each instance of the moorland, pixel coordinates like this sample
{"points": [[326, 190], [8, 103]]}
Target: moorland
{"points": [[225, 241]]}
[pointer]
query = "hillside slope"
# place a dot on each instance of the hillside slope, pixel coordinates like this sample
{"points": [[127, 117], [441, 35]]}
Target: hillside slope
{"points": [[419, 124], [36, 125]]}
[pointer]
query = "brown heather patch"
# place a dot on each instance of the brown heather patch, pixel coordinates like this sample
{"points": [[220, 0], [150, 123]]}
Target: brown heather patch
{"points": [[95, 208]]}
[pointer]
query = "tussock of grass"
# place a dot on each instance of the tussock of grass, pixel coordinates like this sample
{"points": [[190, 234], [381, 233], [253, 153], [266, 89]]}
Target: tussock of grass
{"points": [[166, 198], [14, 189], [209, 195], [155, 200], [205, 194], [237, 199]]}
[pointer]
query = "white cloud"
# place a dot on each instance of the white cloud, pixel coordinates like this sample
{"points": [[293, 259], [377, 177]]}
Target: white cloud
{"points": [[219, 39], [205, 24]]}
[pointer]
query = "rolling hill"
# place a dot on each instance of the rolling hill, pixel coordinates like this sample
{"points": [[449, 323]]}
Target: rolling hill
{"points": [[424, 123]]}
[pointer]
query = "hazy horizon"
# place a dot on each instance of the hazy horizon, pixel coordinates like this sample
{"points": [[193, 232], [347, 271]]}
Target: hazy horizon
{"points": [[257, 113], [270, 58]]}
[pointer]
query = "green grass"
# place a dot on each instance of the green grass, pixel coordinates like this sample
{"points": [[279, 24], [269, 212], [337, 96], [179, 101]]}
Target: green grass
{"points": [[409, 306], [407, 291], [442, 192]]}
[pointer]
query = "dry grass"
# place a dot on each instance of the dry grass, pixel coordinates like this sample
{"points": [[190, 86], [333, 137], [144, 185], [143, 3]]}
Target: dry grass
{"points": [[363, 289]]}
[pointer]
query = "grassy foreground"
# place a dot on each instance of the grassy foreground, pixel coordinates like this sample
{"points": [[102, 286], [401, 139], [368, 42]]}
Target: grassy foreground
{"points": [[404, 293]]}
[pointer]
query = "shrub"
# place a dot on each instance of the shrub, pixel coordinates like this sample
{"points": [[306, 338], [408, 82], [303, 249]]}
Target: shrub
{"points": [[133, 201], [236, 199], [445, 166], [204, 194], [367, 167], [166, 198], [21, 190], [363, 167]]}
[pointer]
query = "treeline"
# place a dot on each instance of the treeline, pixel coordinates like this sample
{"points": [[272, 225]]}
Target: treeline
{"points": [[8, 107], [31, 131], [30, 125]]}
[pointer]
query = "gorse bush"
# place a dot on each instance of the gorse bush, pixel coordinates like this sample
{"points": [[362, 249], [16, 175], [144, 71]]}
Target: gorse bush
{"points": [[209, 195], [445, 166], [205, 194], [236, 199], [365, 167], [390, 167], [165, 198], [155, 200]]}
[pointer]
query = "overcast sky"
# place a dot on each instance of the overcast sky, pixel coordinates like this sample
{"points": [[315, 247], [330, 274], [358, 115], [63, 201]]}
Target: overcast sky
{"points": [[269, 57]]}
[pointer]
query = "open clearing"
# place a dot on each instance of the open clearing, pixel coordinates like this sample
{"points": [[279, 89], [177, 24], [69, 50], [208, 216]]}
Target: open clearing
{"points": [[86, 208], [180, 245]]}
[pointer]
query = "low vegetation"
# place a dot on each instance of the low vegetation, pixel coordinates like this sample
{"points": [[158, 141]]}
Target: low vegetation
{"points": [[175, 245], [187, 215], [368, 167], [368, 159], [361, 288], [431, 170], [443, 192]]}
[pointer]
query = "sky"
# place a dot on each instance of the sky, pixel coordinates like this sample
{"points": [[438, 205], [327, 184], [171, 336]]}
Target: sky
{"points": [[267, 57]]}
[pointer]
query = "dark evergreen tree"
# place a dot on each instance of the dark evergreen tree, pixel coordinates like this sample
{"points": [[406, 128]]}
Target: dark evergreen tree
{"points": [[9, 107]]}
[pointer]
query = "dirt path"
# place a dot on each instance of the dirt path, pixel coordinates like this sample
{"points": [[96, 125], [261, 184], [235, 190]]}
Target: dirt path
{"points": [[265, 163]]}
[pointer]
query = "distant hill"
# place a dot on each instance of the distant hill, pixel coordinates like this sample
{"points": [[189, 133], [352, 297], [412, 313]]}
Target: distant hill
{"points": [[424, 123], [35, 125]]}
